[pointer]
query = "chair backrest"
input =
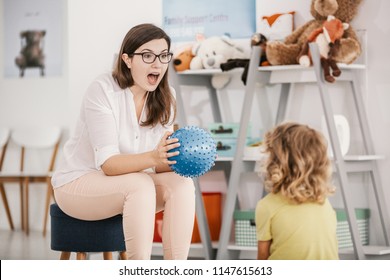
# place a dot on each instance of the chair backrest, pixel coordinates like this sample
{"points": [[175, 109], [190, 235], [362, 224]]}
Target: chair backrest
{"points": [[4, 137], [37, 138]]}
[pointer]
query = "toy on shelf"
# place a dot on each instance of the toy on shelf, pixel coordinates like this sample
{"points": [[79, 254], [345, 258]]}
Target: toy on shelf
{"points": [[284, 53], [182, 61], [257, 39], [277, 27], [327, 38], [197, 152], [211, 52]]}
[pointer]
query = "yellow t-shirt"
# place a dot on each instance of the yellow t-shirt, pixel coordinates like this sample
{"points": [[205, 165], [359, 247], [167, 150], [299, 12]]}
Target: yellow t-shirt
{"points": [[304, 231]]}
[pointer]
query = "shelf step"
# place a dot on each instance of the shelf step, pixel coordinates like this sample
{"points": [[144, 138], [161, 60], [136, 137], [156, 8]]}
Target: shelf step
{"points": [[346, 158], [376, 250], [363, 157], [242, 248]]}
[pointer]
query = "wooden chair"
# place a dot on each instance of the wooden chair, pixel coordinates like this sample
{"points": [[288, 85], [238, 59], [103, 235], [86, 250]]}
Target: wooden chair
{"points": [[4, 138], [33, 141], [81, 237]]}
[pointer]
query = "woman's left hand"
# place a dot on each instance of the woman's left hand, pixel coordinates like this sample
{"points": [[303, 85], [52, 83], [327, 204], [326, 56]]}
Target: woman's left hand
{"points": [[166, 144]]}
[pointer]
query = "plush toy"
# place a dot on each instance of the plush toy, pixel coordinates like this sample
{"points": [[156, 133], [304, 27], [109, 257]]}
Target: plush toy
{"points": [[212, 52], [327, 38], [257, 39], [281, 53], [182, 61], [31, 54]]}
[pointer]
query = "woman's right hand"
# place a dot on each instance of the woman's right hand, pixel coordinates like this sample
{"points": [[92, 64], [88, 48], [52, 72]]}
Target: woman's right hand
{"points": [[166, 144]]}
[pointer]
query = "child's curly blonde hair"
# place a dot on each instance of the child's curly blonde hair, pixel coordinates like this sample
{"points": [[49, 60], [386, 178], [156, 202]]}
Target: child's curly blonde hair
{"points": [[298, 165]]}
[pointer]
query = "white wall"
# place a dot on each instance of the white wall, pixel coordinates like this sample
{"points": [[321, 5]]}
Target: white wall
{"points": [[93, 31]]}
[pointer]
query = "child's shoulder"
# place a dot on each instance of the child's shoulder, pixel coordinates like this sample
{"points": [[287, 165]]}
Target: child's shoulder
{"points": [[272, 200]]}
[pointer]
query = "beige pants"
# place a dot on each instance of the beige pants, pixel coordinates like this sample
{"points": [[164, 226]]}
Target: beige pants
{"points": [[138, 196]]}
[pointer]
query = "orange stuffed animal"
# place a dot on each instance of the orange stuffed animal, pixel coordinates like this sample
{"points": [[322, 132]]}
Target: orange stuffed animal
{"points": [[183, 60], [328, 39]]}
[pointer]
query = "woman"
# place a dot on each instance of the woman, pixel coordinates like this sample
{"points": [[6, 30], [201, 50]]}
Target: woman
{"points": [[117, 161]]}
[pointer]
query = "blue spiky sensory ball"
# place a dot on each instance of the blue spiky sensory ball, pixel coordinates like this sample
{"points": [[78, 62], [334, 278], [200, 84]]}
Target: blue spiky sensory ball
{"points": [[197, 152]]}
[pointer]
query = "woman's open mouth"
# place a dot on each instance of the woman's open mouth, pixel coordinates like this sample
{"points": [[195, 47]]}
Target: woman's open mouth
{"points": [[153, 78]]}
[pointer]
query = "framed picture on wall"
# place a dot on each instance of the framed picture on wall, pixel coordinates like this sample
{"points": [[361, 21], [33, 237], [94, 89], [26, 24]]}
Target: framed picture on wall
{"points": [[184, 19], [33, 38]]}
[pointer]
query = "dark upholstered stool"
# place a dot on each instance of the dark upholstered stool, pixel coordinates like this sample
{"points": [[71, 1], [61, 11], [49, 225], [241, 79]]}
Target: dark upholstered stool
{"points": [[73, 235]]}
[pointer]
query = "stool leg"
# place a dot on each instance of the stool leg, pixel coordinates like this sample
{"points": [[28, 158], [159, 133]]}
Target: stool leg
{"points": [[7, 210], [107, 255], [123, 255], [49, 195], [81, 256], [65, 256]]}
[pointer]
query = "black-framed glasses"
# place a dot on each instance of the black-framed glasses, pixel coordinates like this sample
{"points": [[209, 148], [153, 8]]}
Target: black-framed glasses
{"points": [[149, 57]]}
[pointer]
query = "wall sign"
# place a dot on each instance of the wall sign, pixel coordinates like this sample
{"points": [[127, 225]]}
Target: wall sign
{"points": [[183, 19]]}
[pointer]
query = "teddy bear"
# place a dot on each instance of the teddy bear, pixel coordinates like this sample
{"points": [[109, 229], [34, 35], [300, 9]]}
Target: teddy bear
{"points": [[282, 53], [211, 52], [327, 38], [31, 54], [182, 61]]}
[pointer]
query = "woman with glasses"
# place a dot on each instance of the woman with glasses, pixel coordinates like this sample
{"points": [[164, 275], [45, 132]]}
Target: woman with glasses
{"points": [[117, 161]]}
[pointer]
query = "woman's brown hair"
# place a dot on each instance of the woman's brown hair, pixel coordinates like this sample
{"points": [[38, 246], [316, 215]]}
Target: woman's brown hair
{"points": [[298, 165], [161, 103]]}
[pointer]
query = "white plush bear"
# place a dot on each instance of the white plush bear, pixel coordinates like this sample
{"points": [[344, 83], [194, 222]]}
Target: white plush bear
{"points": [[211, 53]]}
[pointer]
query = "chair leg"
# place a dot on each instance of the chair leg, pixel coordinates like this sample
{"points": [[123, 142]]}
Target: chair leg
{"points": [[7, 210], [107, 255], [26, 207], [81, 256], [123, 255], [21, 192], [49, 194], [65, 256]]}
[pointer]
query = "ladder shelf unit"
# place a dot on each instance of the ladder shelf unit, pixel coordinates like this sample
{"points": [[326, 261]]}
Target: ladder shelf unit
{"points": [[287, 76]]}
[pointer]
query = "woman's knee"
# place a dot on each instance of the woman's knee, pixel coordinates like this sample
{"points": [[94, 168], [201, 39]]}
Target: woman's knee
{"points": [[181, 186], [138, 183]]}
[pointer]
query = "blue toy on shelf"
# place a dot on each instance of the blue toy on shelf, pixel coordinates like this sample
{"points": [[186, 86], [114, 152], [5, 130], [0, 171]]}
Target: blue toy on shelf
{"points": [[197, 152]]}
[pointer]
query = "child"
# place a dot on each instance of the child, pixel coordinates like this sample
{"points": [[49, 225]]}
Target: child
{"points": [[295, 220]]}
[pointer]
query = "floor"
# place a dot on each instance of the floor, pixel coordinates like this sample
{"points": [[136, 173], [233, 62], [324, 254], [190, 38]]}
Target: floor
{"points": [[15, 245]]}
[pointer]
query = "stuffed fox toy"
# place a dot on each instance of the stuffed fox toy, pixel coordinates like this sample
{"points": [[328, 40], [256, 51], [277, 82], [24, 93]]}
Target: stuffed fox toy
{"points": [[328, 39]]}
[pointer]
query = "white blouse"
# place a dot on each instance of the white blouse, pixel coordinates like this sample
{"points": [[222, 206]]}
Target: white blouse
{"points": [[107, 126]]}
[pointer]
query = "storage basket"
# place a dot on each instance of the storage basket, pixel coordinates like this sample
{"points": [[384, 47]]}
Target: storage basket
{"points": [[245, 228], [343, 233]]}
